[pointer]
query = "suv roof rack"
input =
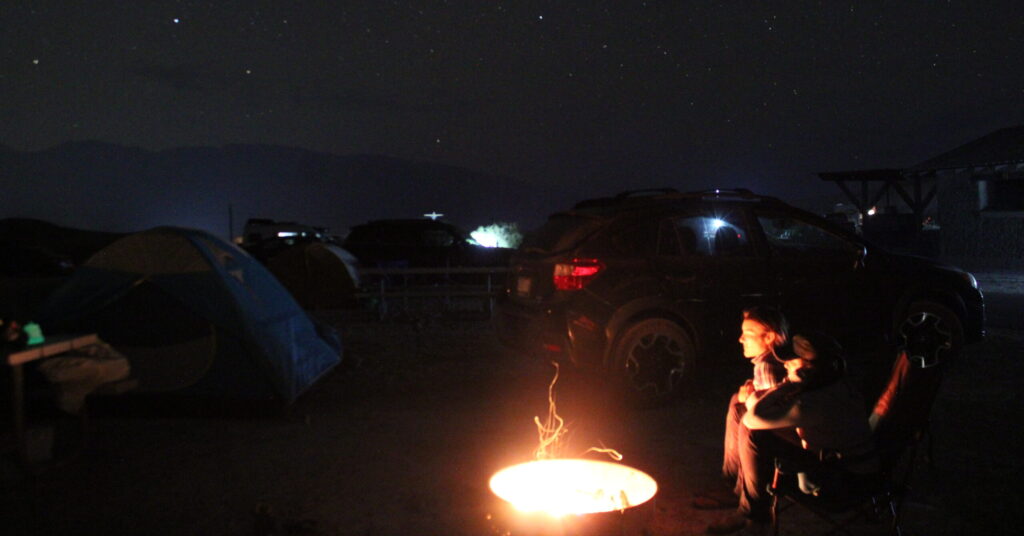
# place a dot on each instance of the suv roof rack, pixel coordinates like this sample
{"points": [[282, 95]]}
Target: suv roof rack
{"points": [[728, 191], [623, 196], [736, 194], [645, 192]]}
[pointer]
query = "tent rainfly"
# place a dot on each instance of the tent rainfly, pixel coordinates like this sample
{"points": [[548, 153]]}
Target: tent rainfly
{"points": [[195, 315]]}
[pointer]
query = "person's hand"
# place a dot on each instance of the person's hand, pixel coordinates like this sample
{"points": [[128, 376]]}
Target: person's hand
{"points": [[745, 391]]}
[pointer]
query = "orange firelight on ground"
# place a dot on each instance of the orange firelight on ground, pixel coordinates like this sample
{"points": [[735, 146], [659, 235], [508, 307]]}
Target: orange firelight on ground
{"points": [[561, 487]]}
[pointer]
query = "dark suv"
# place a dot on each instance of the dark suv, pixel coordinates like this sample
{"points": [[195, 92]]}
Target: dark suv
{"points": [[418, 243], [650, 285]]}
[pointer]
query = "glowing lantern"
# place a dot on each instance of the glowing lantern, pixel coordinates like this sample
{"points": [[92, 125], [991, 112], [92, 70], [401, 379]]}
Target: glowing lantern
{"points": [[572, 486], [486, 239]]}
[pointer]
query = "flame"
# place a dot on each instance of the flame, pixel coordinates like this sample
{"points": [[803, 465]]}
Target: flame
{"points": [[572, 486], [552, 430]]}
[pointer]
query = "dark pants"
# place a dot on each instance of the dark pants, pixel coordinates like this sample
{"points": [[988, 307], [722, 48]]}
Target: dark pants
{"points": [[756, 451]]}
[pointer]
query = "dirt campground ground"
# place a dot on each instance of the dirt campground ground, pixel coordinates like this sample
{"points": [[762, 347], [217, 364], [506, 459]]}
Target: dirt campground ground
{"points": [[403, 439]]}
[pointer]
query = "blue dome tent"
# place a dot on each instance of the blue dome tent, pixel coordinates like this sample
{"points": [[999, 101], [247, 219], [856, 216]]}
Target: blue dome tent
{"points": [[195, 315]]}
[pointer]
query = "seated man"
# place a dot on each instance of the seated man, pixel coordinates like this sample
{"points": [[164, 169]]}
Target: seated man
{"points": [[813, 414]]}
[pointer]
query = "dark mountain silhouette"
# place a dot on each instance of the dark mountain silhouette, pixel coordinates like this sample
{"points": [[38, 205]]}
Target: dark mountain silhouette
{"points": [[105, 187], [76, 245]]}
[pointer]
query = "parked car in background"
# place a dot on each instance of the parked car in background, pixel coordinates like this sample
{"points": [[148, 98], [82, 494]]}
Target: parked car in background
{"points": [[649, 287], [19, 259], [265, 238], [418, 243]]}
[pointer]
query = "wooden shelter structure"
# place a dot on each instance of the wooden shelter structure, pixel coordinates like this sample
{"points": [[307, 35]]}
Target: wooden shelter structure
{"points": [[873, 184], [977, 191]]}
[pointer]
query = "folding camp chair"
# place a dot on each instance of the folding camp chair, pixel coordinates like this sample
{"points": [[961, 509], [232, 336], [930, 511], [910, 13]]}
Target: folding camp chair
{"points": [[899, 424], [837, 502]]}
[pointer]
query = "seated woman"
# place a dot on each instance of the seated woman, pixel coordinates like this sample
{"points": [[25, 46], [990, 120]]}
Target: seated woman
{"points": [[814, 414]]}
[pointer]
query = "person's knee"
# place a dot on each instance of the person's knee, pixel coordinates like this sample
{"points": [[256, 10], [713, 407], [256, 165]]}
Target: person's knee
{"points": [[736, 410]]}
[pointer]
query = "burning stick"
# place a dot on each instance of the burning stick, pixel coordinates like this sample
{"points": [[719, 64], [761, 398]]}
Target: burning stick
{"points": [[612, 453]]}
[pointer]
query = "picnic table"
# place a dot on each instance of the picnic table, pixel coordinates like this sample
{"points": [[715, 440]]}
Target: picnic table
{"points": [[52, 346]]}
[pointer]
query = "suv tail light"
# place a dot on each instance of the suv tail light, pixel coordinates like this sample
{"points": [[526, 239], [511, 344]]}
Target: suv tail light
{"points": [[576, 274]]}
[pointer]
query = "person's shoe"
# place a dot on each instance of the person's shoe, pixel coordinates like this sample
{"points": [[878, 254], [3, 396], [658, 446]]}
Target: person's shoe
{"points": [[728, 524], [715, 501]]}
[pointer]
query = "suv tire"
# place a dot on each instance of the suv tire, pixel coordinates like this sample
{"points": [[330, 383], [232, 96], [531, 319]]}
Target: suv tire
{"points": [[652, 359], [934, 326]]}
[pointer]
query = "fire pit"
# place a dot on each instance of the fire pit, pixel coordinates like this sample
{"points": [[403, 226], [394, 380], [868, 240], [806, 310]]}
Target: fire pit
{"points": [[560, 487]]}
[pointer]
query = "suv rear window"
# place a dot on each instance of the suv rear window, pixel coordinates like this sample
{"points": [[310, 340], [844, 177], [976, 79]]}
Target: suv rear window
{"points": [[560, 232], [718, 235]]}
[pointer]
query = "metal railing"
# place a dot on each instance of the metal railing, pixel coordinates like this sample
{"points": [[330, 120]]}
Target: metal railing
{"points": [[430, 290]]}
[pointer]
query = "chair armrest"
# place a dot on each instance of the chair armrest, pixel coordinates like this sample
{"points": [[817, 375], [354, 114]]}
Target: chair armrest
{"points": [[786, 466]]}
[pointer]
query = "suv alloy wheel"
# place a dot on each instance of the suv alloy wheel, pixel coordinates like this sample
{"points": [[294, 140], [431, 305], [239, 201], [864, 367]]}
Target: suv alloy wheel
{"points": [[930, 332], [653, 358]]}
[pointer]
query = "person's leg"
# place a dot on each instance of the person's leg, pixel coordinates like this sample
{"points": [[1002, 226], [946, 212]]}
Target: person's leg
{"points": [[757, 452], [742, 437], [719, 497], [730, 457], [754, 510]]}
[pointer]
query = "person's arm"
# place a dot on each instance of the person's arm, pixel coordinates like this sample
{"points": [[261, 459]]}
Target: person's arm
{"points": [[779, 408]]}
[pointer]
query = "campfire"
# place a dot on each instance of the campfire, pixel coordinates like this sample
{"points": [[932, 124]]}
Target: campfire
{"points": [[565, 486]]}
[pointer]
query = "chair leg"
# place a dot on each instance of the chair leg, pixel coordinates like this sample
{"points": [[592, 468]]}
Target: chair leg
{"points": [[896, 530], [773, 489], [931, 449], [775, 515]]}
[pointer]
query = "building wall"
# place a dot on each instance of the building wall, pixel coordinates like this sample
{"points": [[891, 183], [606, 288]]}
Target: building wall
{"points": [[972, 239]]}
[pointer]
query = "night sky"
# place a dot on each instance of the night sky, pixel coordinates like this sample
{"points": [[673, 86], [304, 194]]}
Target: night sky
{"points": [[576, 101]]}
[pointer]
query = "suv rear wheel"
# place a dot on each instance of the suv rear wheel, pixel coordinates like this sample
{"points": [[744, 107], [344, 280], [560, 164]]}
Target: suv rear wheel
{"points": [[653, 358]]}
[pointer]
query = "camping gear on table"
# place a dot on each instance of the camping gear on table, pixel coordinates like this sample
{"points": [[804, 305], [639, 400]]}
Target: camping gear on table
{"points": [[195, 315], [77, 374]]}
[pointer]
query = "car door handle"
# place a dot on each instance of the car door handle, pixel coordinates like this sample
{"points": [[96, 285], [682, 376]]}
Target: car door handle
{"points": [[681, 279], [753, 295]]}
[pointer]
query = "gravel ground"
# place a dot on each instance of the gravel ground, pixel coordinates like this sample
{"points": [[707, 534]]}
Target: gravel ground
{"points": [[403, 438]]}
